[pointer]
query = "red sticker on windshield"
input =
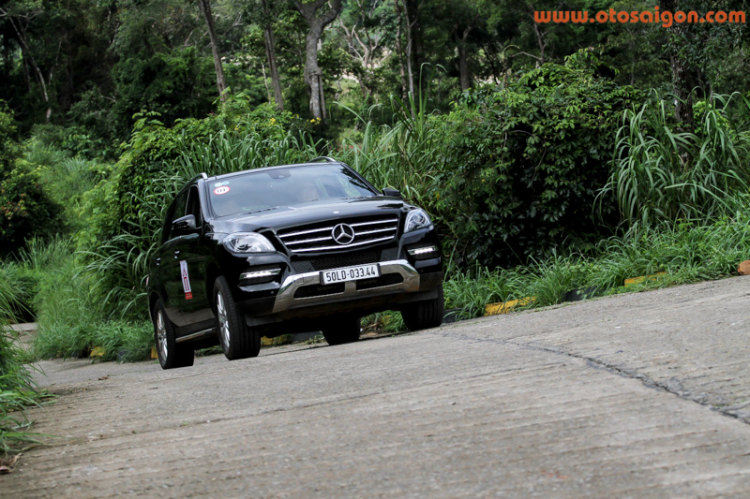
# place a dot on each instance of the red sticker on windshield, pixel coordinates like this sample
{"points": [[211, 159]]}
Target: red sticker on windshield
{"points": [[221, 190]]}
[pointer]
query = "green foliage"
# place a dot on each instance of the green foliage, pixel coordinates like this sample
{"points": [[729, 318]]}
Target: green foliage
{"points": [[26, 210], [16, 384], [177, 85], [663, 173], [686, 252], [119, 340], [524, 165]]}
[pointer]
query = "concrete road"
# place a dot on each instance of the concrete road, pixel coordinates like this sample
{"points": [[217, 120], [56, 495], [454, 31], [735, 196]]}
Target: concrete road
{"points": [[640, 395]]}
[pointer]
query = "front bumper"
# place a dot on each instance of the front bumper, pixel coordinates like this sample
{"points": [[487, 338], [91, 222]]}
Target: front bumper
{"points": [[287, 297]]}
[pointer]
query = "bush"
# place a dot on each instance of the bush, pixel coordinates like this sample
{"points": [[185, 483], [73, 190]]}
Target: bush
{"points": [[524, 163], [26, 210]]}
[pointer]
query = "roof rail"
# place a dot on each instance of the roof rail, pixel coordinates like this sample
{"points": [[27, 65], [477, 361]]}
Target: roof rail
{"points": [[324, 158]]}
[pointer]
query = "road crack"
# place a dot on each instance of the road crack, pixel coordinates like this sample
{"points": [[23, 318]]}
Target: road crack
{"points": [[672, 386]]}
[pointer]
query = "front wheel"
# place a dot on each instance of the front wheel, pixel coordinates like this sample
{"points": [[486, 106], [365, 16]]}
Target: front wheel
{"points": [[344, 330], [171, 354], [238, 341], [424, 314]]}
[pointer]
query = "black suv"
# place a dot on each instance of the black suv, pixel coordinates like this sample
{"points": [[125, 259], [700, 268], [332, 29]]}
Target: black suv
{"points": [[287, 249]]}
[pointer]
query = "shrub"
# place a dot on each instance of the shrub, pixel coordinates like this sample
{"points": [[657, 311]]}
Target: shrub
{"points": [[524, 163], [26, 210]]}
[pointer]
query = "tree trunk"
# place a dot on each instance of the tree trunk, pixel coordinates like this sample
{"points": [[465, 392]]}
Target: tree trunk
{"points": [[313, 73], [221, 83], [463, 61], [21, 33], [681, 77], [415, 35], [409, 50], [399, 49], [272, 67]]}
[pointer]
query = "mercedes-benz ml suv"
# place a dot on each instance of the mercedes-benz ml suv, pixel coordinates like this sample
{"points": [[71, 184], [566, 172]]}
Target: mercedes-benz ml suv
{"points": [[286, 249]]}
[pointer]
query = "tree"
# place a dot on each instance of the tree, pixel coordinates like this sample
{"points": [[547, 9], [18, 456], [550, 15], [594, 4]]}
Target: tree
{"points": [[221, 84], [271, 55], [20, 16], [364, 32], [313, 75]]}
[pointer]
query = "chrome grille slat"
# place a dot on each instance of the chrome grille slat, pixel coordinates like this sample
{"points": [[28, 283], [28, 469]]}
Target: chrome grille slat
{"points": [[303, 232], [352, 245], [303, 241], [389, 221], [374, 231], [366, 232]]}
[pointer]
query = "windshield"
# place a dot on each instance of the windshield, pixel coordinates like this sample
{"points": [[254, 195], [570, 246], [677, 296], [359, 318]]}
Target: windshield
{"points": [[268, 189]]}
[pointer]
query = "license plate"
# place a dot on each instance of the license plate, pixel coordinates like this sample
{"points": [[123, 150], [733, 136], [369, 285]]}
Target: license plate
{"points": [[350, 274]]}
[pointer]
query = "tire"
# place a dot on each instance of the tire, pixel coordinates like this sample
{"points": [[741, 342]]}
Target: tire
{"points": [[424, 314], [171, 354], [345, 330], [238, 341]]}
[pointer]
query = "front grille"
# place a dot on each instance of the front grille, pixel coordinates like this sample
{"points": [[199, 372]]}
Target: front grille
{"points": [[320, 238]]}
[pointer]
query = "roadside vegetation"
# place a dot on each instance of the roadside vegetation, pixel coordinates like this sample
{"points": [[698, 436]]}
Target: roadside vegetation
{"points": [[17, 390]]}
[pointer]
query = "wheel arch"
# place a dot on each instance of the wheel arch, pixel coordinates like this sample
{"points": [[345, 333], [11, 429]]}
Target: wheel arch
{"points": [[212, 273], [152, 299]]}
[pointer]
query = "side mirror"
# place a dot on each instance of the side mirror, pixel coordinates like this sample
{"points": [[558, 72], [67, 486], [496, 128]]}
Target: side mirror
{"points": [[392, 193], [184, 224]]}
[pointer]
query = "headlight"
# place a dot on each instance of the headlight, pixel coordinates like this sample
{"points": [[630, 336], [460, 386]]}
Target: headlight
{"points": [[248, 242], [417, 219]]}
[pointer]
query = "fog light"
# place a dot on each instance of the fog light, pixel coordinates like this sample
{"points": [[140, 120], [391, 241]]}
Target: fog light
{"points": [[259, 276], [422, 251]]}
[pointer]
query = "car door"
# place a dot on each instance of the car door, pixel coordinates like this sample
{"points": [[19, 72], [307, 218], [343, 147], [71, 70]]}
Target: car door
{"points": [[166, 263], [193, 256]]}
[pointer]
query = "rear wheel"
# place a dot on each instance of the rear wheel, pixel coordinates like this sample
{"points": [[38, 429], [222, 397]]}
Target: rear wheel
{"points": [[345, 330], [171, 354], [424, 314], [238, 341]]}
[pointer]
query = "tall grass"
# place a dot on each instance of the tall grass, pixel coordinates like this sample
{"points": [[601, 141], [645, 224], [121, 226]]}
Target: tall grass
{"points": [[664, 173], [16, 384], [402, 155], [71, 314]]}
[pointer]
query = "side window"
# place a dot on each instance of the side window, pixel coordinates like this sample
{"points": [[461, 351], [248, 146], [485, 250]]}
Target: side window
{"points": [[177, 211]]}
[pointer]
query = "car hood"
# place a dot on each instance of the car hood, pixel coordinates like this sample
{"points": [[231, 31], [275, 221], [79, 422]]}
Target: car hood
{"points": [[291, 216]]}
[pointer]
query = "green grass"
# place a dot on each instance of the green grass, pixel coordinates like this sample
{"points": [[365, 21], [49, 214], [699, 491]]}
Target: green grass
{"points": [[663, 173], [17, 389], [686, 252]]}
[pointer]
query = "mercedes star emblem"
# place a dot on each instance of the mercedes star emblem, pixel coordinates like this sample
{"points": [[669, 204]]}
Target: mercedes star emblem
{"points": [[343, 234]]}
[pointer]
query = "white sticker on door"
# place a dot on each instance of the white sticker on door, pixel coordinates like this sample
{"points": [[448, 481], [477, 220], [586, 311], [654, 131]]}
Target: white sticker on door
{"points": [[186, 280]]}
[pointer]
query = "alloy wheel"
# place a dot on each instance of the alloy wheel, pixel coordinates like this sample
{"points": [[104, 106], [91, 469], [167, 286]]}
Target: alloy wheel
{"points": [[161, 334], [223, 320]]}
